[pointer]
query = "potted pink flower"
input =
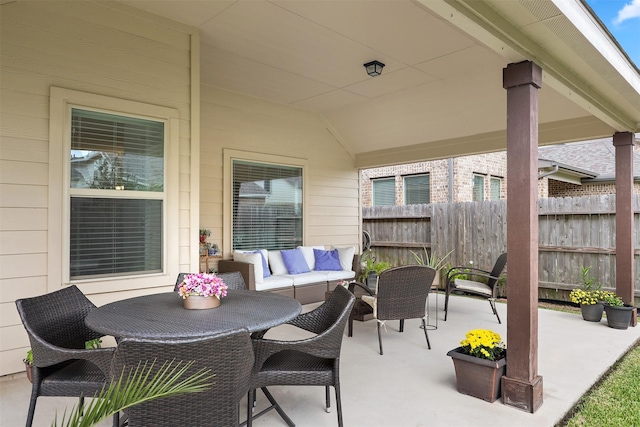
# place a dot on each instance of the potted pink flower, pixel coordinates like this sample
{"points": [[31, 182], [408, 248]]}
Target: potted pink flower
{"points": [[202, 290]]}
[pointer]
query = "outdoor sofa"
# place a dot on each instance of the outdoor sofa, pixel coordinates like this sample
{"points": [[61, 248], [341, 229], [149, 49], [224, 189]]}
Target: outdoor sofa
{"points": [[305, 273]]}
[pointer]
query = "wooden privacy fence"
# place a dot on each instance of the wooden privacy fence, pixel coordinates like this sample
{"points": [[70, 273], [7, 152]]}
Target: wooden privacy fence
{"points": [[574, 232]]}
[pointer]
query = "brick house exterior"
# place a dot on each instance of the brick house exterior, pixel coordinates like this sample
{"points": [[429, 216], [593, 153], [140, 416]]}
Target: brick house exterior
{"points": [[491, 165], [596, 158]]}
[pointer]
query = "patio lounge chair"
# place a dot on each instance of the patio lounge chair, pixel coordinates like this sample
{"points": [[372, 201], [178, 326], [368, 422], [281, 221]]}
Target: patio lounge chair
{"points": [[459, 281], [57, 333], [401, 294], [229, 355], [313, 361]]}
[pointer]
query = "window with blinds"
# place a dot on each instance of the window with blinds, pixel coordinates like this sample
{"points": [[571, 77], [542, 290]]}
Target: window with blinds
{"points": [[117, 195], [267, 205], [384, 191], [478, 188], [417, 189], [496, 187]]}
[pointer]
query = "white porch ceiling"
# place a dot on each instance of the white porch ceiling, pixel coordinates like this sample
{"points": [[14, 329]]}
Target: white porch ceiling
{"points": [[440, 93]]}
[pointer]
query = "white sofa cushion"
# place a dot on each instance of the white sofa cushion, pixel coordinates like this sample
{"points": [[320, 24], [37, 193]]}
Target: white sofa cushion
{"points": [[340, 275], [277, 263], [307, 252], [274, 282], [252, 258], [306, 278], [346, 254]]}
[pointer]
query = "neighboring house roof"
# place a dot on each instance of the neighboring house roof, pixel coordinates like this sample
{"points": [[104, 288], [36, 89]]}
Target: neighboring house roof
{"points": [[591, 161]]}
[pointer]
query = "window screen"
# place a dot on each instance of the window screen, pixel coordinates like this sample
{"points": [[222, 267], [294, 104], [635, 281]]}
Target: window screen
{"points": [[267, 205], [384, 191], [117, 195], [478, 188], [417, 190]]}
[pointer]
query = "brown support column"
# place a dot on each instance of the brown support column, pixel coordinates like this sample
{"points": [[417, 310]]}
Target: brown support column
{"points": [[623, 141], [522, 386]]}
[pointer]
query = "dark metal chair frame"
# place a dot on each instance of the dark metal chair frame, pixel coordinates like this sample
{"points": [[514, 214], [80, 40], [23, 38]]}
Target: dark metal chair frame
{"points": [[313, 361], [488, 290], [230, 357], [402, 294], [61, 365]]}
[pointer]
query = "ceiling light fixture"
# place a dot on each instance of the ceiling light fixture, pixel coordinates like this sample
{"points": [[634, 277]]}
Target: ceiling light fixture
{"points": [[374, 68]]}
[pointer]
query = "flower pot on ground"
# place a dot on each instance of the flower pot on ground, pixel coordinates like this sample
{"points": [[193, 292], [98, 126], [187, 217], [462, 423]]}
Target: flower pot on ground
{"points": [[28, 364], [202, 291], [480, 362], [592, 312], [437, 263], [589, 297], [618, 314]]}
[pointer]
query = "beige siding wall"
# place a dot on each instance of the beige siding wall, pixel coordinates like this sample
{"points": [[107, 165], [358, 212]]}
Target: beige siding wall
{"points": [[236, 122], [98, 48]]}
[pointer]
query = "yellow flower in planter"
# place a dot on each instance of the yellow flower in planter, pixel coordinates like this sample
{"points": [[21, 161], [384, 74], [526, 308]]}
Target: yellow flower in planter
{"points": [[484, 344]]}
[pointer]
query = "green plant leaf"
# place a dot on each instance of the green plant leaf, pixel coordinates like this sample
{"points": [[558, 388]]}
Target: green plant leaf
{"points": [[137, 387]]}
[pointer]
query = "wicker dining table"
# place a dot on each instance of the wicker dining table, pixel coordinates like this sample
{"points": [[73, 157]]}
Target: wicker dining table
{"points": [[163, 315]]}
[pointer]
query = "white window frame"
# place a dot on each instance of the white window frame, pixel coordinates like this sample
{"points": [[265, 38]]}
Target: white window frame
{"points": [[381, 179], [493, 179], [404, 185], [229, 156], [484, 184], [61, 102]]}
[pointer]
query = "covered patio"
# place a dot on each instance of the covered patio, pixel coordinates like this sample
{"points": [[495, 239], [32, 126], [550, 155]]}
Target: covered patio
{"points": [[413, 386], [282, 82]]}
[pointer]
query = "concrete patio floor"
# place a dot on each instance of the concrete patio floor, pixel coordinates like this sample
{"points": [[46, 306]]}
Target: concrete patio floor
{"points": [[410, 385]]}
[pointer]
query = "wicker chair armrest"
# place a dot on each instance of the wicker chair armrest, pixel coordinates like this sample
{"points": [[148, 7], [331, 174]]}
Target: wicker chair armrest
{"points": [[354, 285], [461, 269], [319, 346], [46, 354]]}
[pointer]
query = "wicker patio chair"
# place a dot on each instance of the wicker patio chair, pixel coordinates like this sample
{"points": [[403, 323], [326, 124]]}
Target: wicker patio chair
{"points": [[229, 355], [402, 294], [233, 280], [313, 361], [459, 281], [57, 333]]}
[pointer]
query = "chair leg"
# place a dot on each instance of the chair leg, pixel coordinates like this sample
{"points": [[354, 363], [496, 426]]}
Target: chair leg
{"points": [[351, 315], [401, 325], [277, 407], [379, 338], [446, 304], [492, 302], [327, 399], [32, 405], [116, 419], [338, 403], [250, 398], [426, 335]]}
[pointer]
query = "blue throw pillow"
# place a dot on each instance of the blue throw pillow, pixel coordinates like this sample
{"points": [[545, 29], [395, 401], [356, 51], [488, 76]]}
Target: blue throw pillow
{"points": [[265, 265], [327, 260], [294, 261]]}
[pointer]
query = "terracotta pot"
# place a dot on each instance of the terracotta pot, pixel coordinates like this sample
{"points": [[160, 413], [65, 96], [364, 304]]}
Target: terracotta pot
{"points": [[478, 377], [195, 302], [29, 371], [592, 312]]}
